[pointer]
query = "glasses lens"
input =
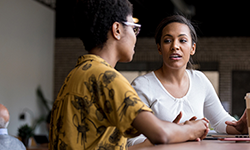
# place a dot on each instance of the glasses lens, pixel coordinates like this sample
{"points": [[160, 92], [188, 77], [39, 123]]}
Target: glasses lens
{"points": [[136, 30], [136, 27]]}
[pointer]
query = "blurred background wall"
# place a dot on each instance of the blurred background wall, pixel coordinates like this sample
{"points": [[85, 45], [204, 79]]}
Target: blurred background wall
{"points": [[27, 31]]}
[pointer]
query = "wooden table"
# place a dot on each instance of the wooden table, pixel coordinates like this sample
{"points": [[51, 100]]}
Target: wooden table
{"points": [[203, 145], [37, 148], [192, 145]]}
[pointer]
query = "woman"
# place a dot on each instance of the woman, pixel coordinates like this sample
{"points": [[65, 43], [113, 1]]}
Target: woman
{"points": [[96, 107], [173, 89]]}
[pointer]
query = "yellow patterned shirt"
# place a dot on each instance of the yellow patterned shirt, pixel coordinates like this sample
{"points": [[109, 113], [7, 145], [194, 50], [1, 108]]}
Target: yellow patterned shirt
{"points": [[94, 108]]}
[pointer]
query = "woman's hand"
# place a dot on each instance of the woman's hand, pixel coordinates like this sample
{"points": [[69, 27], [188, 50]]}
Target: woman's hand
{"points": [[195, 125], [178, 118], [238, 127]]}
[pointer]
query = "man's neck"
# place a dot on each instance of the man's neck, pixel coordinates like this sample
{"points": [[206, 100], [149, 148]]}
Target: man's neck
{"points": [[3, 131]]}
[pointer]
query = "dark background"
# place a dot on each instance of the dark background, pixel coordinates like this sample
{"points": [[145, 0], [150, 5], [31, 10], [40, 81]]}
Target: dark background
{"points": [[213, 17], [240, 82]]}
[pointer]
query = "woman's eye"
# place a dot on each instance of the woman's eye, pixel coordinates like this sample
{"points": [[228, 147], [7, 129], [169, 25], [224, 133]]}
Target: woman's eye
{"points": [[167, 41], [183, 41]]}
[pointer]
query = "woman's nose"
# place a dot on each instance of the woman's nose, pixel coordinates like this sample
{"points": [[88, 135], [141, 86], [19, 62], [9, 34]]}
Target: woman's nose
{"points": [[175, 46]]}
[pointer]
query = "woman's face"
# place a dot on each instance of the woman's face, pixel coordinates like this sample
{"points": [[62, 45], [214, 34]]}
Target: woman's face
{"points": [[127, 43], [176, 45]]}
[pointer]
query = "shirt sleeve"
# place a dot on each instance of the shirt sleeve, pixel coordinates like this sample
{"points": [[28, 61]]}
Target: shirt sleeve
{"points": [[136, 140], [213, 108]]}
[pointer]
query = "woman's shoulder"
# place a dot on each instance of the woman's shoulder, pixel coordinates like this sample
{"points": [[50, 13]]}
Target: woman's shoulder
{"points": [[199, 78], [146, 77], [196, 74]]}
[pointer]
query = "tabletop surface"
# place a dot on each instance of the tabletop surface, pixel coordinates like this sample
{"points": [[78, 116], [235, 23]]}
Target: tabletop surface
{"points": [[192, 145], [204, 145]]}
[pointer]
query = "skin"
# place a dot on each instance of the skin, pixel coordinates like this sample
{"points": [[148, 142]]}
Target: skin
{"points": [[4, 113], [120, 47]]}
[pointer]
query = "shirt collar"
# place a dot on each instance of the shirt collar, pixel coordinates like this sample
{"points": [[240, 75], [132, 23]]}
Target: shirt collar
{"points": [[3, 131], [90, 57]]}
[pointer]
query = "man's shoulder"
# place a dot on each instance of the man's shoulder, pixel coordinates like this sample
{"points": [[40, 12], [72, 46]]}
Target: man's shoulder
{"points": [[11, 142], [9, 137]]}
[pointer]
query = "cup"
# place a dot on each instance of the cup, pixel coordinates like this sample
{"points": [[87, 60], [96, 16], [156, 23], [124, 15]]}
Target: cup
{"points": [[247, 98]]}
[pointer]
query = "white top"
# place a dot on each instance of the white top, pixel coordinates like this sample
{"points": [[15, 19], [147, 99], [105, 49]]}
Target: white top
{"points": [[201, 101]]}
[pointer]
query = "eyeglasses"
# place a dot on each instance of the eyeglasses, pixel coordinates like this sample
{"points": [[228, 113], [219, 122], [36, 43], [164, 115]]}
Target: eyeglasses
{"points": [[136, 27]]}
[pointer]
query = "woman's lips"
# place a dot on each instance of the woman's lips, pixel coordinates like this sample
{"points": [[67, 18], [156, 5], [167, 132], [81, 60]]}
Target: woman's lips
{"points": [[175, 56]]}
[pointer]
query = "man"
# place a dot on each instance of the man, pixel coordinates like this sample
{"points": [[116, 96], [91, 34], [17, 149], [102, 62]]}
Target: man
{"points": [[7, 142]]}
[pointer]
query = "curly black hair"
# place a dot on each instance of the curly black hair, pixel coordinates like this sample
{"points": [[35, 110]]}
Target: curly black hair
{"points": [[94, 18]]}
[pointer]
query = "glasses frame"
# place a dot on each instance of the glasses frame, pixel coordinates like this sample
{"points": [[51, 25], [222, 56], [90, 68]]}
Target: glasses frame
{"points": [[135, 26]]}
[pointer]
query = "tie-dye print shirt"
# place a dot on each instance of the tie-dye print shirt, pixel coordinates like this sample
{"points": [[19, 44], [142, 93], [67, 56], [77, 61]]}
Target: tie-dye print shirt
{"points": [[94, 108]]}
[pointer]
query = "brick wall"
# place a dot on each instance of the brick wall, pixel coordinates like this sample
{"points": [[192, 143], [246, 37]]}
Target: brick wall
{"points": [[231, 53], [67, 50]]}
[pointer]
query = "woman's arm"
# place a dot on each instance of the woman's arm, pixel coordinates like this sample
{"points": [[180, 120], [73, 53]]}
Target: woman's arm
{"points": [[146, 142], [163, 132], [213, 109]]}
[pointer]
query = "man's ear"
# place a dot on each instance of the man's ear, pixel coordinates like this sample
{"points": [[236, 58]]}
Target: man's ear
{"points": [[159, 49], [116, 30], [192, 52]]}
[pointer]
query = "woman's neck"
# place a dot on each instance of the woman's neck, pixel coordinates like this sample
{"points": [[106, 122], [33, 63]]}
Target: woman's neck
{"points": [[106, 54], [174, 76], [176, 82]]}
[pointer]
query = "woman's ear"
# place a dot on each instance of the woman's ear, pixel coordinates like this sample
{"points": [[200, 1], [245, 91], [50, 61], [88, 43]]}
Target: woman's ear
{"points": [[116, 30], [159, 49], [192, 52]]}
